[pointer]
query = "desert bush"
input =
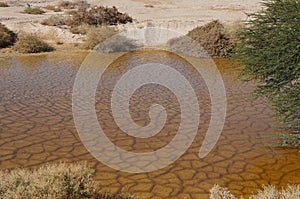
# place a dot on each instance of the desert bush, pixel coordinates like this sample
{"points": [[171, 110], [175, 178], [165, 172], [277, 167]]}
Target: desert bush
{"points": [[50, 181], [56, 20], [96, 35], [66, 4], [53, 8], [212, 38], [81, 29], [218, 192], [34, 11], [74, 4], [28, 43], [118, 43], [3, 4], [187, 46], [7, 37], [269, 53], [59, 181], [99, 16], [268, 192]]}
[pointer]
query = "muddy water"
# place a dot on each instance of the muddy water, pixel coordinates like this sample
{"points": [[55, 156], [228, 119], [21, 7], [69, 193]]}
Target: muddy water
{"points": [[36, 127]]}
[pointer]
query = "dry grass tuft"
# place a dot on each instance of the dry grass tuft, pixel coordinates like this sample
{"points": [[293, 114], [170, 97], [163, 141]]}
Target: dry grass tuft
{"points": [[96, 35], [99, 16], [57, 20], [59, 181], [3, 4], [53, 8], [268, 192], [28, 43], [212, 38], [50, 181], [73, 4], [34, 11], [7, 37], [81, 29], [218, 192]]}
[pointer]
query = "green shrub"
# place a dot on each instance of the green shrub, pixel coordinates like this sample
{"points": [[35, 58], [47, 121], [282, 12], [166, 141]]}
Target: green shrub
{"points": [[56, 20], [34, 11], [269, 51], [3, 4], [28, 43], [7, 37], [99, 16]]}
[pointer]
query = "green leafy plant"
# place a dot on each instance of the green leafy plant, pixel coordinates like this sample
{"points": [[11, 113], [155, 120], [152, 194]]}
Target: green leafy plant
{"points": [[268, 50]]}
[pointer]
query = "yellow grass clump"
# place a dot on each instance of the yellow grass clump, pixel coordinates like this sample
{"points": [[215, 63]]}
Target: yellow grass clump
{"points": [[29, 43], [268, 192]]}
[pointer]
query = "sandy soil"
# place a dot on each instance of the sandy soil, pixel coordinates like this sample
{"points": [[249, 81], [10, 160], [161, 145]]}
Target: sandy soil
{"points": [[177, 15]]}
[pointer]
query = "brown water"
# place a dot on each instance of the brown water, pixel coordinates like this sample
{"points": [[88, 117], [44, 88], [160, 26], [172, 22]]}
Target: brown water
{"points": [[37, 127]]}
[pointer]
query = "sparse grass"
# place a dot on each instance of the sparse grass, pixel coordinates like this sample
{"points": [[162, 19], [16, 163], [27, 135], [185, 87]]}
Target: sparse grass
{"points": [[118, 43], [53, 8], [56, 20], [59, 181], [99, 16], [28, 43], [97, 35], [81, 29], [50, 181], [3, 4], [268, 192], [289, 140], [34, 11], [7, 37], [74, 4]]}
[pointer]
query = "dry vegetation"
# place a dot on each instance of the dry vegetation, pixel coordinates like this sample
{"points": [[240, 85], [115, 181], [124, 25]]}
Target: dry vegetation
{"points": [[73, 4], [268, 192], [212, 38], [59, 181], [99, 16], [57, 20], [7, 37], [3, 4], [34, 11], [29, 43], [96, 35], [75, 181], [53, 8]]}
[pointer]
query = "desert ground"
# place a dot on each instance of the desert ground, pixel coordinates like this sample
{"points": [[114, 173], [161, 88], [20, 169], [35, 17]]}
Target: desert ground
{"points": [[180, 16]]}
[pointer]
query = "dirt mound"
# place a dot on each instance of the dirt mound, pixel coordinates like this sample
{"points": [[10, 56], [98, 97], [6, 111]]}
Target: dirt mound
{"points": [[212, 38]]}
